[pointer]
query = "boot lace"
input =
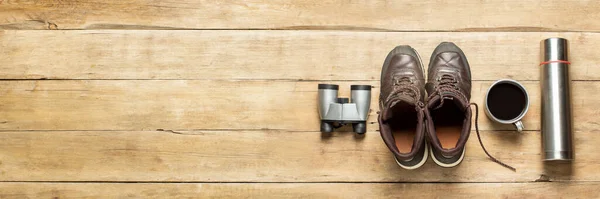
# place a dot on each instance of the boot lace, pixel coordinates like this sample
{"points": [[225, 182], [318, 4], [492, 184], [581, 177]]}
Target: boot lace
{"points": [[449, 83], [403, 85], [481, 143]]}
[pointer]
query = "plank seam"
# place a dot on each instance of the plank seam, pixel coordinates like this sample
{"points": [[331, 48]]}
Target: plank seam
{"points": [[226, 79], [303, 182], [51, 26]]}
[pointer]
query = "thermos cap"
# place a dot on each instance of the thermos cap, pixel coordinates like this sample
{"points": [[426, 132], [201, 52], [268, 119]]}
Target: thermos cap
{"points": [[555, 49]]}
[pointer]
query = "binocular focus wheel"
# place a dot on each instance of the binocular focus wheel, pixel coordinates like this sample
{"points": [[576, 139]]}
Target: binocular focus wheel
{"points": [[326, 127], [360, 127]]}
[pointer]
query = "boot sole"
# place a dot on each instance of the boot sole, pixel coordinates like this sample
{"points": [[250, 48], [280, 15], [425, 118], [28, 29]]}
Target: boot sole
{"points": [[462, 156], [425, 156]]}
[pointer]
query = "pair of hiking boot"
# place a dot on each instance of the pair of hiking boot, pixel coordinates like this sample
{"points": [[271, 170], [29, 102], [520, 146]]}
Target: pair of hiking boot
{"points": [[420, 118]]}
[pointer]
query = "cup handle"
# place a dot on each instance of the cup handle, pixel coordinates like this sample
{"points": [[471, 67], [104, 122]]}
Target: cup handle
{"points": [[519, 126]]}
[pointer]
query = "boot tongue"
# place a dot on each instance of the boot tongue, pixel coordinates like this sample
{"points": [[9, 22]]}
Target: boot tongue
{"points": [[448, 97], [387, 111], [404, 98]]}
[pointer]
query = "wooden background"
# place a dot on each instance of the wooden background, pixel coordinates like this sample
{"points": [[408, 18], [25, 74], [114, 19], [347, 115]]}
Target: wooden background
{"points": [[183, 98]]}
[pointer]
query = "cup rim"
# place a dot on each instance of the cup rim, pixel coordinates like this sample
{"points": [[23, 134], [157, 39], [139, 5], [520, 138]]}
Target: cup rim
{"points": [[523, 112]]}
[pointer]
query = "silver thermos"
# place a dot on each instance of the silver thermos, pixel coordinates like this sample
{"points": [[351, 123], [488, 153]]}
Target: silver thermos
{"points": [[557, 139]]}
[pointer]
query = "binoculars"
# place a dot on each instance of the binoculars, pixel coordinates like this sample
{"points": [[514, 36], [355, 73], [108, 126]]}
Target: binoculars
{"points": [[336, 112]]}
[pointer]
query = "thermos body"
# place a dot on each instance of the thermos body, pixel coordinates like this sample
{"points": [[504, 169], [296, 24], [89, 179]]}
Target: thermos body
{"points": [[556, 105]]}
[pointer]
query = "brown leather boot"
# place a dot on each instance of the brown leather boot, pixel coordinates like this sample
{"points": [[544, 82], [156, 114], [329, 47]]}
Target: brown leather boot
{"points": [[401, 100], [447, 110]]}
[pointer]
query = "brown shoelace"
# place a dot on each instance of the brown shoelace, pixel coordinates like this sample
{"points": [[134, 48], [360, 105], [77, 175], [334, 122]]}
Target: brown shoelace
{"points": [[448, 83], [481, 143], [403, 85]]}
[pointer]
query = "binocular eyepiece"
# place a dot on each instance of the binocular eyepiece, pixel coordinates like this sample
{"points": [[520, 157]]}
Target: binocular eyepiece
{"points": [[336, 112]]}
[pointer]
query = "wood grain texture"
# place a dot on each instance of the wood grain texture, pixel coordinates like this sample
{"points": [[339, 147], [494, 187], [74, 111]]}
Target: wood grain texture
{"points": [[155, 99], [271, 156], [299, 190], [268, 55], [427, 15], [216, 105]]}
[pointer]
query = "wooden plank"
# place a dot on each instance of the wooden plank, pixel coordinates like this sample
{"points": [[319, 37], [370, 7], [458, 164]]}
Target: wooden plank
{"points": [[217, 105], [271, 156], [299, 190], [428, 15], [274, 55]]}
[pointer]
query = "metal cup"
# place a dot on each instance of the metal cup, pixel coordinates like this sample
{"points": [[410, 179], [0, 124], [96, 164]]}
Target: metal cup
{"points": [[517, 120]]}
